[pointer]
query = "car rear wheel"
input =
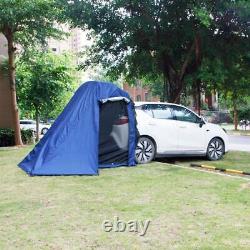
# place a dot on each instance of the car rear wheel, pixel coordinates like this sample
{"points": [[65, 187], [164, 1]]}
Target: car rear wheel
{"points": [[215, 149], [44, 131], [145, 150]]}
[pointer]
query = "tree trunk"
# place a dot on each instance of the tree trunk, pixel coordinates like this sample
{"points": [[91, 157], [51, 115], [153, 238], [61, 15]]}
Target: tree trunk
{"points": [[37, 125], [172, 83], [176, 77], [11, 64], [174, 89], [198, 89], [194, 96], [165, 89], [198, 63], [235, 115]]}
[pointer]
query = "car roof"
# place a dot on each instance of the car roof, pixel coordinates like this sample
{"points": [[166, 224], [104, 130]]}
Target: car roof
{"points": [[137, 104]]}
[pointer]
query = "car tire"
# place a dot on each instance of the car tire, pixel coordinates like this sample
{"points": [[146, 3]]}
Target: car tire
{"points": [[145, 150], [44, 131], [215, 149]]}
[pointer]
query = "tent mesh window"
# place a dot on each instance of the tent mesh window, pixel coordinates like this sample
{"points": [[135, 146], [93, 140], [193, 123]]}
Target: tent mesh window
{"points": [[114, 133]]}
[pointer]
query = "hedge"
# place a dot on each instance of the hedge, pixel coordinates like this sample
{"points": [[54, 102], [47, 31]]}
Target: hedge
{"points": [[7, 137]]}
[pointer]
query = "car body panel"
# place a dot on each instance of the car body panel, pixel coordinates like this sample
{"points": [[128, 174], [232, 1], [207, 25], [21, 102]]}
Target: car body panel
{"points": [[173, 137], [120, 132], [191, 132], [162, 131], [31, 124]]}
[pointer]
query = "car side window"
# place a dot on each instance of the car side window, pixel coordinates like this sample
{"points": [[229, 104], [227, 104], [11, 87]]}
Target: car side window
{"points": [[147, 108], [185, 115], [159, 111]]}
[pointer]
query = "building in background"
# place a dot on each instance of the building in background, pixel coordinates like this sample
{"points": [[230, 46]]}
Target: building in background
{"points": [[3, 47], [6, 118], [74, 43], [139, 93], [211, 99]]}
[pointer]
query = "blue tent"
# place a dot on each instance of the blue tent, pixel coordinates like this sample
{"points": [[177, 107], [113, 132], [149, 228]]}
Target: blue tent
{"points": [[71, 146]]}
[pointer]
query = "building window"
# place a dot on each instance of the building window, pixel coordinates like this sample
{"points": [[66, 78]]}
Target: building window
{"points": [[53, 49], [138, 98], [147, 97]]}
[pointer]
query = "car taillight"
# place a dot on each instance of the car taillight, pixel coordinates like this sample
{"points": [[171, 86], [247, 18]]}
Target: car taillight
{"points": [[122, 120]]}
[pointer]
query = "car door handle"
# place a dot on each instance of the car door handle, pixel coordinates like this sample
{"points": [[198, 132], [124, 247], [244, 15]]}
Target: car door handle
{"points": [[182, 127], [152, 124]]}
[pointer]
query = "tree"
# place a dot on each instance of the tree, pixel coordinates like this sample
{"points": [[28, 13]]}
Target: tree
{"points": [[45, 82], [24, 22], [227, 63], [157, 39], [145, 39], [236, 88]]}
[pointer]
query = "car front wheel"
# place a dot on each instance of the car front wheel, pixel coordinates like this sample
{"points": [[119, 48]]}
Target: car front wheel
{"points": [[145, 150], [215, 149]]}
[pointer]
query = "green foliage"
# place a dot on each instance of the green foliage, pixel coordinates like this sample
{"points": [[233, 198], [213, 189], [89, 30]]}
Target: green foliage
{"points": [[156, 87], [29, 21], [26, 23], [162, 41], [244, 109], [236, 85], [244, 113], [45, 82], [203, 15], [143, 39], [27, 136], [7, 137], [212, 73], [226, 63]]}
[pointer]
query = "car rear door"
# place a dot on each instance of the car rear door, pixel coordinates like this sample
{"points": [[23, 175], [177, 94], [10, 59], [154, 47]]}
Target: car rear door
{"points": [[161, 127]]}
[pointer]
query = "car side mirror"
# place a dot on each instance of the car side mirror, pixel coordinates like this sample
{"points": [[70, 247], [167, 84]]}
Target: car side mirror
{"points": [[201, 121]]}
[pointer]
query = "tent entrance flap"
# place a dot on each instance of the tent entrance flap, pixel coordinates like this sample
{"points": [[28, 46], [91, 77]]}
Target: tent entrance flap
{"points": [[113, 133]]}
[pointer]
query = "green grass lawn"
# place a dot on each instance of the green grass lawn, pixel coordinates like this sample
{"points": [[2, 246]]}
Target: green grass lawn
{"points": [[188, 209]]}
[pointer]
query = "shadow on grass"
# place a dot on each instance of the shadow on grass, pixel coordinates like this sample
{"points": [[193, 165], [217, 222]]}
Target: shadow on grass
{"points": [[178, 160]]}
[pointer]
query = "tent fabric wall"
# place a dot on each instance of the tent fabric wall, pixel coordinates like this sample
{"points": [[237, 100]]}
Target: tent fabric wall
{"points": [[70, 147]]}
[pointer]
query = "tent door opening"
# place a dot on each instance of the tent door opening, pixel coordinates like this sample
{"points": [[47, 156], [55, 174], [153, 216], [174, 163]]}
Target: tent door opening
{"points": [[113, 133]]}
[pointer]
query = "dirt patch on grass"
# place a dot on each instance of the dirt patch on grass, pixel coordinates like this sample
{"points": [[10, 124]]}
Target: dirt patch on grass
{"points": [[244, 186]]}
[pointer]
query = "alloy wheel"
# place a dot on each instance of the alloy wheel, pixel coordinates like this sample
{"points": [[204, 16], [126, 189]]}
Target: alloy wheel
{"points": [[145, 150], [215, 149]]}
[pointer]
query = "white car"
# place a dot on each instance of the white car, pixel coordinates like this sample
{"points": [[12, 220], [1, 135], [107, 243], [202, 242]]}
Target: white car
{"points": [[120, 132], [30, 124], [173, 130]]}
